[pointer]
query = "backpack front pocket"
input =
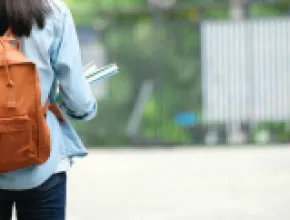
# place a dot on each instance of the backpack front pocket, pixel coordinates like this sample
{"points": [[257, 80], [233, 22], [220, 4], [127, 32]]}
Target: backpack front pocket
{"points": [[15, 141]]}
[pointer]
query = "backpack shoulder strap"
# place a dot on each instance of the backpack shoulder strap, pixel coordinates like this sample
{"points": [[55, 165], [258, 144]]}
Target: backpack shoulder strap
{"points": [[55, 110]]}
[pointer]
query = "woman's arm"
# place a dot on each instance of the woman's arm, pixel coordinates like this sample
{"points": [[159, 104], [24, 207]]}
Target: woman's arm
{"points": [[75, 92]]}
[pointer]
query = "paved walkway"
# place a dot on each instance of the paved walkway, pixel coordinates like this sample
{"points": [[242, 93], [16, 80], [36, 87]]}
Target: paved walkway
{"points": [[188, 184]]}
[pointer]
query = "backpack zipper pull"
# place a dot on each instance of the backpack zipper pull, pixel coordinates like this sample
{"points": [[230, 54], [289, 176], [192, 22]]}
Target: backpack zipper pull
{"points": [[11, 96], [10, 83]]}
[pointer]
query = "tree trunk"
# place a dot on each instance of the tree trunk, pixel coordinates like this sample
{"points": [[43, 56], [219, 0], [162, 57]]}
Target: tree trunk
{"points": [[237, 9]]}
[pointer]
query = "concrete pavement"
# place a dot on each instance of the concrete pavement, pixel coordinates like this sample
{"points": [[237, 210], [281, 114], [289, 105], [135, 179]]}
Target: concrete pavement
{"points": [[183, 184]]}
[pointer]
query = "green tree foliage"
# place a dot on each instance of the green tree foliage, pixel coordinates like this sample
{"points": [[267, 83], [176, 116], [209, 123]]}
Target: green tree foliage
{"points": [[164, 48]]}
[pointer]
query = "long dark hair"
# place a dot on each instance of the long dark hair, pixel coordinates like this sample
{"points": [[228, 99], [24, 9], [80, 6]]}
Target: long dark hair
{"points": [[22, 15]]}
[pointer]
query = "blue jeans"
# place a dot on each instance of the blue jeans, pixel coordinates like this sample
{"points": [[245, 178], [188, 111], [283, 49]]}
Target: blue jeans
{"points": [[46, 202]]}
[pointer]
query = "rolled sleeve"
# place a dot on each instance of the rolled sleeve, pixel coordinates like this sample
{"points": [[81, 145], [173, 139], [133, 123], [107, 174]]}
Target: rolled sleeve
{"points": [[86, 117]]}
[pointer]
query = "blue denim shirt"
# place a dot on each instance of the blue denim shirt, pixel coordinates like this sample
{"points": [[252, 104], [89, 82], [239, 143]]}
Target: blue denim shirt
{"points": [[55, 51]]}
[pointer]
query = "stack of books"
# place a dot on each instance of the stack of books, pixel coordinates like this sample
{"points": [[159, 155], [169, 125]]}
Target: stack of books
{"points": [[94, 74]]}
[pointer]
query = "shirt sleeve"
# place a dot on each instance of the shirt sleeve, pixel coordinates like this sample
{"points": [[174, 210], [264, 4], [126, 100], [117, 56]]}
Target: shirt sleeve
{"points": [[75, 92]]}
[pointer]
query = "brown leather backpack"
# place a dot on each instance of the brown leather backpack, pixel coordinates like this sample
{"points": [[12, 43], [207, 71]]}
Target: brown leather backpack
{"points": [[24, 134]]}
